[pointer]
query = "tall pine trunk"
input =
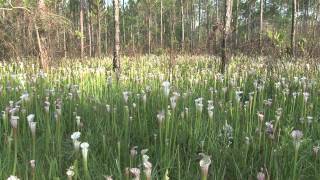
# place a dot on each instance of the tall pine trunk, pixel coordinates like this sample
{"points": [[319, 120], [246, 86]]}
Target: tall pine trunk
{"points": [[132, 39], [98, 31], [261, 25], [199, 25], [293, 27], [81, 30], [227, 22], [173, 26], [89, 33], [116, 56], [182, 27], [237, 23], [207, 26], [149, 27], [64, 43], [249, 22], [218, 22], [192, 27], [42, 36], [123, 24], [106, 36], [161, 23]]}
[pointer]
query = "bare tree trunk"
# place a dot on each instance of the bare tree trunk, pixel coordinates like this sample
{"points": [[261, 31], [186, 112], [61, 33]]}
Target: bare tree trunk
{"points": [[207, 26], [155, 19], [106, 37], [318, 16], [98, 31], [132, 39], [173, 31], [186, 21], [172, 37], [182, 27], [64, 43], [149, 34], [58, 39], [318, 12], [237, 23], [218, 22], [42, 57], [192, 27], [161, 23], [149, 27], [138, 35], [249, 22], [116, 57], [92, 29], [314, 21], [89, 33], [41, 37], [123, 24], [199, 26], [261, 25], [293, 27], [227, 22], [81, 30]]}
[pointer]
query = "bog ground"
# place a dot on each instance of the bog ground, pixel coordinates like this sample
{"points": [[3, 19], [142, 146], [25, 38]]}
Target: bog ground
{"points": [[161, 119]]}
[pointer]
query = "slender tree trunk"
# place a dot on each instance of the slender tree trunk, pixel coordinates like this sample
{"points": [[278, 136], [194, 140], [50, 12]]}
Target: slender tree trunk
{"points": [[149, 27], [182, 27], [156, 29], [207, 26], [116, 57], [261, 25], [132, 39], [227, 22], [89, 34], [149, 34], [123, 23], [161, 23], [173, 25], [293, 28], [81, 30], [18, 29], [98, 32], [218, 22], [172, 38], [64, 43], [314, 26], [237, 23], [199, 19], [42, 36], [58, 39], [249, 23], [41, 53], [306, 15], [138, 37], [106, 36], [318, 12], [318, 17], [186, 21], [192, 27], [92, 30]]}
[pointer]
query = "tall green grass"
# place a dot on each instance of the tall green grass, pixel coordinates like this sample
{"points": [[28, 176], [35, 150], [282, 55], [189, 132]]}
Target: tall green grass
{"points": [[211, 126]]}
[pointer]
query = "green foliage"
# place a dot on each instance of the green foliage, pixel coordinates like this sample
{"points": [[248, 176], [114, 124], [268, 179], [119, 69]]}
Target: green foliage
{"points": [[277, 37], [279, 40], [78, 34], [301, 44]]}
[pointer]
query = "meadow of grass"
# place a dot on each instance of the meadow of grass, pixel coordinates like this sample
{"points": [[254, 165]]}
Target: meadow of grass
{"points": [[76, 121]]}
